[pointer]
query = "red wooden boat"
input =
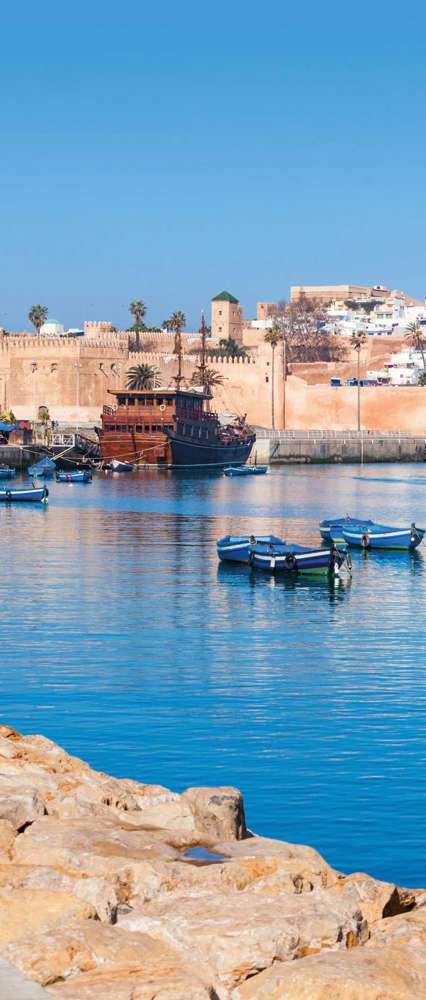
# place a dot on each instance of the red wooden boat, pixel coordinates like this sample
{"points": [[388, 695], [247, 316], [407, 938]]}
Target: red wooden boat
{"points": [[170, 427]]}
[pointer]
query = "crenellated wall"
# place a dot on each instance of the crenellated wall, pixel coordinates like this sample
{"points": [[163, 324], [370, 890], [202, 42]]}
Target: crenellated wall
{"points": [[74, 378]]}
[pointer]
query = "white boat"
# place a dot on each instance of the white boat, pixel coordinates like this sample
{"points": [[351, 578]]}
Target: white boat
{"points": [[117, 466]]}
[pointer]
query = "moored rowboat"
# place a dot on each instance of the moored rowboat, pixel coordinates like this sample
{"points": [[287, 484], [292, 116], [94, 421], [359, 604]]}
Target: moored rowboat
{"points": [[6, 472], [246, 470], [382, 536], [33, 495], [236, 548], [83, 476], [332, 528], [295, 558]]}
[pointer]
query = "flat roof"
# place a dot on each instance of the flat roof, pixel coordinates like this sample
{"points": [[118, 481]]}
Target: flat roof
{"points": [[163, 390]]}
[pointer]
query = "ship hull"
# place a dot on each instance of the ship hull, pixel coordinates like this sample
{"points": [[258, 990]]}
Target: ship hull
{"points": [[186, 452]]}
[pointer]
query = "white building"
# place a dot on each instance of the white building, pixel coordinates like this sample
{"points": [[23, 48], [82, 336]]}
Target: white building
{"points": [[51, 328]]}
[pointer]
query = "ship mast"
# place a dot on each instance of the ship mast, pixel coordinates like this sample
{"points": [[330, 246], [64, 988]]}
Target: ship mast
{"points": [[202, 366]]}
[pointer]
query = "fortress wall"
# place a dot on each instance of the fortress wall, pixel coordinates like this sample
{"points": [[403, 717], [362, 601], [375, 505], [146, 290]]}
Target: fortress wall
{"points": [[73, 378], [383, 408]]}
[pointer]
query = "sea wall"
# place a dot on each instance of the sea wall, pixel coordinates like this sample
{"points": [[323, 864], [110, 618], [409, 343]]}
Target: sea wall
{"points": [[101, 899]]}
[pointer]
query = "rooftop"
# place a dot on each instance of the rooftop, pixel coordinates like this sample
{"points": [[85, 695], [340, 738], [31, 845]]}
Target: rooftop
{"points": [[225, 297]]}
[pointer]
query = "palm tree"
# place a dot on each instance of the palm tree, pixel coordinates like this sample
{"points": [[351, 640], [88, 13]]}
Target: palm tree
{"points": [[273, 337], [37, 316], [137, 309], [142, 377], [176, 323], [358, 340], [229, 347], [415, 339], [208, 379]]}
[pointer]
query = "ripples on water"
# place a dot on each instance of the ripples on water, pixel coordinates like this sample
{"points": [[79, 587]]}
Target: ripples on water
{"points": [[122, 639]]}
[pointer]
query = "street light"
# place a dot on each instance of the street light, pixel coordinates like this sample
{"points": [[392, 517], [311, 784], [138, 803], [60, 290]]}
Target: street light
{"points": [[358, 340], [77, 367]]}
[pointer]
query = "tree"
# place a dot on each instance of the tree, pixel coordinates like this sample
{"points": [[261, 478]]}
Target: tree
{"points": [[142, 377], [304, 329], [137, 309], [357, 341], [209, 378], [229, 347], [37, 316], [273, 337], [421, 379], [415, 337]]}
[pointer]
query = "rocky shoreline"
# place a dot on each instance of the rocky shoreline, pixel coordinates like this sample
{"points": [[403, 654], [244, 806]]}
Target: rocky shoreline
{"points": [[104, 897]]}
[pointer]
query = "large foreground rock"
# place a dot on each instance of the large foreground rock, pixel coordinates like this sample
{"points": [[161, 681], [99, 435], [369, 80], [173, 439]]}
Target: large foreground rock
{"points": [[364, 974], [87, 959], [239, 933], [100, 900]]}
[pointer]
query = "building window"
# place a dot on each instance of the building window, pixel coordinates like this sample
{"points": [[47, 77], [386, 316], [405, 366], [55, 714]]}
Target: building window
{"points": [[130, 400], [267, 378], [220, 312], [121, 400], [138, 428], [220, 329], [121, 427]]}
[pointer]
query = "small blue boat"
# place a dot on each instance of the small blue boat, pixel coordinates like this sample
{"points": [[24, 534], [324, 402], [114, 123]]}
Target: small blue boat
{"points": [[6, 472], [236, 548], [274, 558], [79, 476], [382, 536], [246, 470], [331, 530], [32, 495], [44, 469]]}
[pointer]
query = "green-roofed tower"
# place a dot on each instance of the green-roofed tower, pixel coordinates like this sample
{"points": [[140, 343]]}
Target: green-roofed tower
{"points": [[227, 317], [225, 297]]}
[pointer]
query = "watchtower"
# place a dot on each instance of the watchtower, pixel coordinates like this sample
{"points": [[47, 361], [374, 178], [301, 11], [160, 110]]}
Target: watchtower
{"points": [[227, 317]]}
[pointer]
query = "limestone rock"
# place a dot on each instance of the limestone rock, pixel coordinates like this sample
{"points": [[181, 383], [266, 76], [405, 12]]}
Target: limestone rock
{"points": [[218, 813], [241, 933], [25, 909], [20, 804], [91, 960], [7, 837], [374, 898], [263, 875], [363, 974], [405, 929]]}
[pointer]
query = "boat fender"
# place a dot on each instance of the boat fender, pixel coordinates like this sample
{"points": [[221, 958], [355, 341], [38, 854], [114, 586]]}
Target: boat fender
{"points": [[290, 561], [365, 541], [8, 495]]}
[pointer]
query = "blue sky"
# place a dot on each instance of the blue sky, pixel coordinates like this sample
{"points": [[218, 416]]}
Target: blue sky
{"points": [[168, 151]]}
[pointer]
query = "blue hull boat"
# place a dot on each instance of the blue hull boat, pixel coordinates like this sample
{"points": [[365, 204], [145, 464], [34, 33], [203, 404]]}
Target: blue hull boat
{"points": [[44, 469], [332, 529], [236, 548], [246, 470], [295, 558], [382, 536], [32, 495], [85, 476], [6, 472]]}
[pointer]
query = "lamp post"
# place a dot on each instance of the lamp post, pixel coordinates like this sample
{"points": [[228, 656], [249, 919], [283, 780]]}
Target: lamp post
{"points": [[358, 340], [34, 370], [77, 389]]}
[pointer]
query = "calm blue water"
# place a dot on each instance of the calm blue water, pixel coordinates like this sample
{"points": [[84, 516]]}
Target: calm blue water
{"points": [[122, 639]]}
